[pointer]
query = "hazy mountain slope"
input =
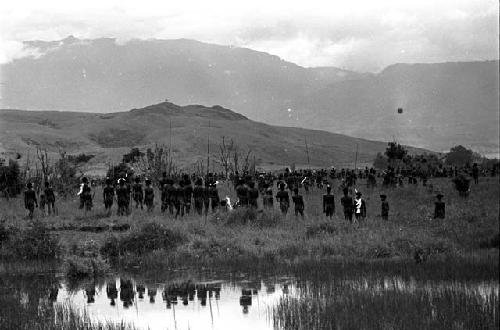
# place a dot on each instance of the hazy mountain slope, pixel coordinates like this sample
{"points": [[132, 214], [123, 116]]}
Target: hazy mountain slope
{"points": [[102, 76], [111, 135], [444, 104]]}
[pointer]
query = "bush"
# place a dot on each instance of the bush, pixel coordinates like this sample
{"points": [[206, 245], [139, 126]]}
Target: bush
{"points": [[35, 242], [151, 236], [81, 267], [244, 216], [462, 184]]}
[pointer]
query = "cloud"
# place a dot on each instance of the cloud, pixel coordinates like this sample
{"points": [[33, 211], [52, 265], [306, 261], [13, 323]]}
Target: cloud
{"points": [[361, 35]]}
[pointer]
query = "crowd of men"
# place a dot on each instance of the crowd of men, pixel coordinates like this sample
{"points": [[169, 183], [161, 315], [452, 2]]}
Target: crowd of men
{"points": [[183, 194]]}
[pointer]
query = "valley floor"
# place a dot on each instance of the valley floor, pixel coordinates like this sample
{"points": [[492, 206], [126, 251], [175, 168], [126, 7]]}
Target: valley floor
{"points": [[244, 238]]}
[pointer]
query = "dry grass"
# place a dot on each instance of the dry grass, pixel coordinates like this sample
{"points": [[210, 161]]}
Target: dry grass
{"points": [[288, 240]]}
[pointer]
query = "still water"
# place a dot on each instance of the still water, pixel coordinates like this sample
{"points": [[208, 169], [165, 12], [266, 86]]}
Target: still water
{"points": [[215, 304], [234, 300]]}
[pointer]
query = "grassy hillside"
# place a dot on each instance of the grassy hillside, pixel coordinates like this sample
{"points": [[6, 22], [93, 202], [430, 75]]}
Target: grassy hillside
{"points": [[109, 136]]}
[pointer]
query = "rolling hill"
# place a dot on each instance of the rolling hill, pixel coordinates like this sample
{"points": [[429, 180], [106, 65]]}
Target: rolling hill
{"points": [[445, 104], [110, 135]]}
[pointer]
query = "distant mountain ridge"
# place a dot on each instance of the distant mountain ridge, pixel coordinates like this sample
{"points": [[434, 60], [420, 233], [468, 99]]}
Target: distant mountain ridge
{"points": [[444, 104], [188, 129]]}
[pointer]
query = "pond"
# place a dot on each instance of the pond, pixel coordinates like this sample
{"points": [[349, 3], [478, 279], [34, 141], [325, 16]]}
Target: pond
{"points": [[237, 300]]}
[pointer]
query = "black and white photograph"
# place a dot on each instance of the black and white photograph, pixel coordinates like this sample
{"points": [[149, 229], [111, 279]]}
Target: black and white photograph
{"points": [[249, 165]]}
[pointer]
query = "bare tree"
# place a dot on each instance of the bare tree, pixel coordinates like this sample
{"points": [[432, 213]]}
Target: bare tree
{"points": [[43, 159], [199, 168], [233, 159], [156, 161], [224, 156], [246, 166]]}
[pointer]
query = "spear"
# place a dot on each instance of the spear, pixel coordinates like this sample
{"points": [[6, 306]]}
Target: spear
{"points": [[307, 152], [208, 148], [356, 159]]}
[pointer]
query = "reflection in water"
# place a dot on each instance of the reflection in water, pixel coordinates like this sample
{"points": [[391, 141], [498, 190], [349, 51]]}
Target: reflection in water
{"points": [[183, 305], [214, 301]]}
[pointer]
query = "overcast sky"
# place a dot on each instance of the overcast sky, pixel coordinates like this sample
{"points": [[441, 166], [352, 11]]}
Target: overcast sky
{"points": [[362, 35]]}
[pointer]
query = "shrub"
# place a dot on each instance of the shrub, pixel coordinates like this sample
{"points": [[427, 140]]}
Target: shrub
{"points": [[81, 267], [462, 184], [35, 242], [151, 236]]}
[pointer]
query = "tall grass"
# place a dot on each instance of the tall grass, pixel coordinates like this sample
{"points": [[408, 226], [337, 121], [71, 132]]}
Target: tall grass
{"points": [[341, 307], [56, 317], [243, 236]]}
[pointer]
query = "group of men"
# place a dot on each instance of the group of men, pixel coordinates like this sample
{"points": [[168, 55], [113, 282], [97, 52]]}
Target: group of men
{"points": [[177, 196], [47, 199]]}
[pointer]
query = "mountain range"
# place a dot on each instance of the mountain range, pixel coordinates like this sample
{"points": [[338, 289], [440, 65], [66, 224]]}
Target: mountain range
{"points": [[443, 104], [188, 130]]}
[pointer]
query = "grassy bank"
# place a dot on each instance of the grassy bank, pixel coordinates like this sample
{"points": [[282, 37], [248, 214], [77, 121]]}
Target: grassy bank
{"points": [[243, 237]]}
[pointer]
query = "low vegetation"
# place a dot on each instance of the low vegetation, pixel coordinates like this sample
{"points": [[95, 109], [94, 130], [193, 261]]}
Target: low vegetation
{"points": [[56, 317], [335, 307], [246, 236], [33, 242]]}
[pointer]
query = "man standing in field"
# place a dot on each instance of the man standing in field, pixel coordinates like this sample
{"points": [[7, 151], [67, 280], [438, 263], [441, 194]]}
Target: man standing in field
{"points": [[213, 195], [360, 207], [108, 195], [137, 193], [198, 196], [30, 200], [242, 193], [253, 195], [85, 194], [188, 193], [163, 190], [149, 196], [122, 198], [329, 202], [347, 204], [475, 173], [439, 207], [50, 198], [177, 198], [298, 202], [385, 207], [267, 199], [283, 199]]}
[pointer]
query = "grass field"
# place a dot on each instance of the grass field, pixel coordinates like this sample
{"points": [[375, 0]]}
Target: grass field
{"points": [[244, 237]]}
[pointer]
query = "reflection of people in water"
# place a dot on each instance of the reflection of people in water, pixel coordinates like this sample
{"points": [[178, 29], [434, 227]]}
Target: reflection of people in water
{"points": [[152, 295], [245, 301], [111, 292], [141, 290], [126, 292], [54, 290], [90, 293], [201, 294]]}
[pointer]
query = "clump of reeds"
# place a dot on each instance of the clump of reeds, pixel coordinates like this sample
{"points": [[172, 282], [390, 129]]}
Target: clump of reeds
{"points": [[345, 307], [85, 261]]}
